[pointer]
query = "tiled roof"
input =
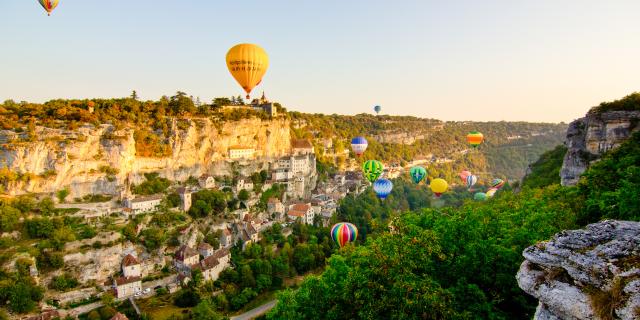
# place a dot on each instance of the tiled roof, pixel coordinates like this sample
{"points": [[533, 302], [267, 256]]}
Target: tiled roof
{"points": [[122, 280], [301, 144], [204, 246], [148, 198], [296, 213], [185, 252], [221, 253], [129, 260], [238, 147], [300, 207], [209, 262], [119, 316]]}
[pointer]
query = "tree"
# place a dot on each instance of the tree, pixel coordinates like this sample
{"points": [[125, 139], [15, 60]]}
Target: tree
{"points": [[153, 238], [107, 299], [9, 217], [94, 315], [20, 298], [243, 195], [205, 310], [134, 95], [62, 194], [46, 206]]}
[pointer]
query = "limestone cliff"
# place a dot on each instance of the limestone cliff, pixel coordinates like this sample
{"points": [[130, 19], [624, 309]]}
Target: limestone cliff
{"points": [[99, 159], [592, 273], [589, 137]]}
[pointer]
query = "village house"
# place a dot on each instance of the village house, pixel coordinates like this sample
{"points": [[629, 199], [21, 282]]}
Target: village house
{"points": [[127, 287], [244, 183], [205, 249], [241, 152], [142, 204], [226, 239], [185, 199], [206, 182], [131, 267], [214, 264], [302, 211], [184, 258], [275, 208], [301, 146]]}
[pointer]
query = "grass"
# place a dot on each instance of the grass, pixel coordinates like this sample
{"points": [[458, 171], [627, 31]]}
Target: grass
{"points": [[604, 303], [160, 307]]}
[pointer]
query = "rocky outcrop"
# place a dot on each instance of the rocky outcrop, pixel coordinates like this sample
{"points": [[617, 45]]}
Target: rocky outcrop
{"points": [[97, 160], [586, 274], [589, 137]]}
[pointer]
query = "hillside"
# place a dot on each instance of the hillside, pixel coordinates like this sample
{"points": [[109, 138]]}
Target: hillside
{"points": [[460, 263]]}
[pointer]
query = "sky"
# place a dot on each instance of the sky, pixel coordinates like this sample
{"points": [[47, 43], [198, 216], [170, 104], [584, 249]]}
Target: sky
{"points": [[539, 61]]}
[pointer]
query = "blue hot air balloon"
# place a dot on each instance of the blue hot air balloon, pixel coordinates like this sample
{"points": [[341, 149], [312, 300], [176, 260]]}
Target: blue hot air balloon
{"points": [[383, 188], [359, 145], [377, 109]]}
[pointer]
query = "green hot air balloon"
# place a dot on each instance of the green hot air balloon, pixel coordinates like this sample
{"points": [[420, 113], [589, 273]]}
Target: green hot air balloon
{"points": [[480, 196], [372, 170], [417, 173]]}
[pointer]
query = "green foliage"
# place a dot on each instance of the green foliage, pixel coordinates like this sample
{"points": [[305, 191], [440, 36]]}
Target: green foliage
{"points": [[187, 298], [9, 218], [611, 186], [64, 282], [153, 238], [546, 171], [628, 103], [153, 184], [206, 202], [243, 195], [205, 310], [62, 194]]}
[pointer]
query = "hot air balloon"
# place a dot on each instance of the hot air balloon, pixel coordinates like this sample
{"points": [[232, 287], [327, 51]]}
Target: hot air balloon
{"points": [[491, 192], [475, 138], [372, 170], [247, 63], [497, 183], [49, 5], [439, 186], [463, 175], [471, 180], [383, 188], [344, 232], [480, 196], [417, 173], [377, 109], [359, 145]]}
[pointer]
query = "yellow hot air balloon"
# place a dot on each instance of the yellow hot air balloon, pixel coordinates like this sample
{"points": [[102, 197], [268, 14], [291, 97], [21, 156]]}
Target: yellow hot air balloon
{"points": [[439, 186], [247, 63]]}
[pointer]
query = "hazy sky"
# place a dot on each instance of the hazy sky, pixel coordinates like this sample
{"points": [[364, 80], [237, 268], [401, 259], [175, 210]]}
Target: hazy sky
{"points": [[483, 60]]}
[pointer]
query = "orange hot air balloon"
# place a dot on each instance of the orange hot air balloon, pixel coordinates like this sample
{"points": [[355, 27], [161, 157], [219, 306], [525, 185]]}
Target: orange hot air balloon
{"points": [[49, 5], [247, 63]]}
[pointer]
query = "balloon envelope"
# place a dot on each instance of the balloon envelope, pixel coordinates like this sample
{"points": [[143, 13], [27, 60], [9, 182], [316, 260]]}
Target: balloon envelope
{"points": [[497, 183], [463, 175], [475, 138], [359, 145], [439, 186], [491, 192], [343, 233], [377, 109], [383, 188], [417, 173], [49, 5], [471, 180], [247, 63], [372, 170], [480, 196]]}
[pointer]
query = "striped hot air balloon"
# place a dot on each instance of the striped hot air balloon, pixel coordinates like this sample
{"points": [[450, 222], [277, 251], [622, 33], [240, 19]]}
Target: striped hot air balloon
{"points": [[383, 188], [497, 183], [417, 173], [372, 170], [359, 145], [471, 180], [49, 5], [463, 175], [343, 233], [475, 138]]}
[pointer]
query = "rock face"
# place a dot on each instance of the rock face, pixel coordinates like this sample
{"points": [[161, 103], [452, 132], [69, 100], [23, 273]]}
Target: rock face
{"points": [[98, 160], [591, 136], [583, 274]]}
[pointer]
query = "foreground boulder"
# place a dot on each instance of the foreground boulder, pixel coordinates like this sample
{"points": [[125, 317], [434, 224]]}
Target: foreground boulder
{"points": [[593, 273]]}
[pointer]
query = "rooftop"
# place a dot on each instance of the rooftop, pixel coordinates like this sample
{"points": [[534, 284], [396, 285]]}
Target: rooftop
{"points": [[185, 252], [122, 280], [301, 207], [129, 260], [296, 213], [238, 147], [148, 198], [209, 262], [301, 144]]}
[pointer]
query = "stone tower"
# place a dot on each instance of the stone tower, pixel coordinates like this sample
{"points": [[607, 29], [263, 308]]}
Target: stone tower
{"points": [[185, 196]]}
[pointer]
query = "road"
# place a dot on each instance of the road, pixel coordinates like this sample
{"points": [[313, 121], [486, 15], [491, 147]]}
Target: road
{"points": [[253, 313]]}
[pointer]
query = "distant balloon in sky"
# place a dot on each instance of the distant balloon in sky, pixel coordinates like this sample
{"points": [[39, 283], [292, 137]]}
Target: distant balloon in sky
{"points": [[491, 192], [417, 173], [49, 5], [247, 63], [480, 196], [343, 233], [439, 186], [359, 145], [475, 138], [497, 183], [383, 188], [377, 109], [372, 170]]}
